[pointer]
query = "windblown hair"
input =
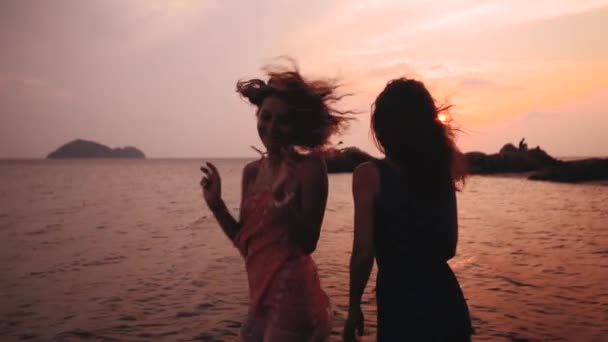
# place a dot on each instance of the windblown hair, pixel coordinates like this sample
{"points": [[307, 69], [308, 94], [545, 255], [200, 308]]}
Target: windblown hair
{"points": [[406, 128], [310, 102]]}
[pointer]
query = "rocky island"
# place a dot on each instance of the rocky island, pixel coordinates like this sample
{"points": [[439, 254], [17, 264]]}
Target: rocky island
{"points": [[542, 166], [89, 149], [593, 169], [509, 159], [534, 163]]}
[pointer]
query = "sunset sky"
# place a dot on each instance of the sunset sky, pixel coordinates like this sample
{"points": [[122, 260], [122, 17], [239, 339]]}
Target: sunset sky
{"points": [[160, 75]]}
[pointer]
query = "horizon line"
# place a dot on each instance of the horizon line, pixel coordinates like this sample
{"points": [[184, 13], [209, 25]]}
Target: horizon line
{"points": [[219, 158]]}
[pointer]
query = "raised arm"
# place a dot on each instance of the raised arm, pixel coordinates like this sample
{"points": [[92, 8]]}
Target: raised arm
{"points": [[211, 184]]}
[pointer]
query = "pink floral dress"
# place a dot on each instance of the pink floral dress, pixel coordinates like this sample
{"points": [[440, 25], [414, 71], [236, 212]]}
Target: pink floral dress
{"points": [[286, 299]]}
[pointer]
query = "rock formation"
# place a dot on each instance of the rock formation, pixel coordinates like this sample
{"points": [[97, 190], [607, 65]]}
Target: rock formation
{"points": [[88, 149]]}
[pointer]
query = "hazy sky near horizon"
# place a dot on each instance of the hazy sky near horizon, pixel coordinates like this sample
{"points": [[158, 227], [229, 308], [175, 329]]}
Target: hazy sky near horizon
{"points": [[160, 74]]}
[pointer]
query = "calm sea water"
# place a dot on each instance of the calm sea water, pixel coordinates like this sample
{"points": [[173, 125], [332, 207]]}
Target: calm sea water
{"points": [[126, 250]]}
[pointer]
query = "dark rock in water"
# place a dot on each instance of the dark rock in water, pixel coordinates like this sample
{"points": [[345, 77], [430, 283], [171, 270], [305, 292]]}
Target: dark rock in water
{"points": [[345, 160], [88, 149], [509, 159], [512, 159], [476, 162], [508, 148], [574, 171]]}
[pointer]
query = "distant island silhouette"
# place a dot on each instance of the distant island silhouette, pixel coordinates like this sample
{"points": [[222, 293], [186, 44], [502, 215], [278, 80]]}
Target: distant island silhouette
{"points": [[80, 148]]}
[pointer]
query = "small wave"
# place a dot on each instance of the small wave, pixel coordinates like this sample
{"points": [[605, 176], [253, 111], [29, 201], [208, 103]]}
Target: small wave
{"points": [[182, 314], [515, 282], [46, 229], [76, 333], [604, 252]]}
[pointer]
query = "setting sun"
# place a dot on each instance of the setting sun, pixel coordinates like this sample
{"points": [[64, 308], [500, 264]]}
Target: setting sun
{"points": [[443, 118]]}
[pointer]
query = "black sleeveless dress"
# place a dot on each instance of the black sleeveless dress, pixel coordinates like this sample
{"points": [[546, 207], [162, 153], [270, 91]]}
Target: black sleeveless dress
{"points": [[418, 296]]}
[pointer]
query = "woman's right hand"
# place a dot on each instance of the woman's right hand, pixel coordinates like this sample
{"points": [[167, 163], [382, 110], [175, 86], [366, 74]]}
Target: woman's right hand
{"points": [[354, 325], [211, 184]]}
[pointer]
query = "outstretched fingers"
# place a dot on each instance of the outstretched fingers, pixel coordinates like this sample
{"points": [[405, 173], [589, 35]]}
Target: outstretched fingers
{"points": [[207, 178], [212, 168]]}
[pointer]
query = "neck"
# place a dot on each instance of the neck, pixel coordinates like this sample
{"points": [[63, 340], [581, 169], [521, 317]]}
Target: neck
{"points": [[274, 158]]}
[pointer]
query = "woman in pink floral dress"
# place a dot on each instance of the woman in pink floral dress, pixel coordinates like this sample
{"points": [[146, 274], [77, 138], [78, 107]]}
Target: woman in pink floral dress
{"points": [[282, 206]]}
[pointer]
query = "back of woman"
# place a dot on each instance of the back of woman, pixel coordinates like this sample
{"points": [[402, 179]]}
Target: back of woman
{"points": [[417, 293], [410, 227], [405, 219]]}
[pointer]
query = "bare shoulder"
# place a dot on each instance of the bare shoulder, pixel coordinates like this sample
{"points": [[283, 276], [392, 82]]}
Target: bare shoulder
{"points": [[366, 171], [366, 176], [313, 163], [251, 169]]}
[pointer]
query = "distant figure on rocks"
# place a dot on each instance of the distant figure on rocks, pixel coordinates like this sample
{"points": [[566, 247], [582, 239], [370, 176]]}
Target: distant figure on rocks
{"points": [[406, 218], [284, 195], [523, 147]]}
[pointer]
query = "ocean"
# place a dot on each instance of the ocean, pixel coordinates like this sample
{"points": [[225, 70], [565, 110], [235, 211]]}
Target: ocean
{"points": [[126, 250]]}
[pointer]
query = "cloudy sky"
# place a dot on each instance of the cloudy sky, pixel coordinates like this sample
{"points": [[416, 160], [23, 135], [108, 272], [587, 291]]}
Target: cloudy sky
{"points": [[160, 74]]}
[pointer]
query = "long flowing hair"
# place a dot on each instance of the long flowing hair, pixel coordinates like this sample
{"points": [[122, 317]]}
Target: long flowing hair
{"points": [[407, 127], [311, 103]]}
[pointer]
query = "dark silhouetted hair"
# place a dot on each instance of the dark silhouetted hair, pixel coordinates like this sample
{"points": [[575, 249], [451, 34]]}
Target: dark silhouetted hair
{"points": [[407, 128], [310, 102]]}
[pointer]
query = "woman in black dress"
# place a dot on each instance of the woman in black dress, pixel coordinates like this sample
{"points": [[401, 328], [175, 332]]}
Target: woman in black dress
{"points": [[406, 218]]}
